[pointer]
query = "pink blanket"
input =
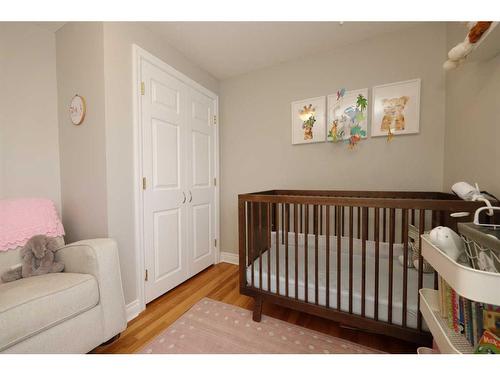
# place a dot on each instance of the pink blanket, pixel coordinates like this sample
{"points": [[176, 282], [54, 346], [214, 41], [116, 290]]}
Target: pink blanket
{"points": [[21, 219]]}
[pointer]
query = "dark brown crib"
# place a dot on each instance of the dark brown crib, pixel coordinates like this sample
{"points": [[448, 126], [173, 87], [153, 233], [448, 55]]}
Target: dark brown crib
{"points": [[335, 254]]}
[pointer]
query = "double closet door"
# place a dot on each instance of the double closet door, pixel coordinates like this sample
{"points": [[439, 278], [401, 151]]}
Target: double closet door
{"points": [[178, 155]]}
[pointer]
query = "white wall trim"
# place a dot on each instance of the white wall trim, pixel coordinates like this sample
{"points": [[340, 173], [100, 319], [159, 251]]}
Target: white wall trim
{"points": [[132, 310], [229, 257], [138, 199], [140, 54]]}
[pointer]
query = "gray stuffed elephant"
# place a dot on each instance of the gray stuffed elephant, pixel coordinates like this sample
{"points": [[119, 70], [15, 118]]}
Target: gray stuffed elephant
{"points": [[37, 259]]}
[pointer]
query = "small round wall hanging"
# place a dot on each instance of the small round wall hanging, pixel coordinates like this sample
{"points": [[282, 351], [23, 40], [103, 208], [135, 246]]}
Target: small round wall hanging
{"points": [[77, 109]]}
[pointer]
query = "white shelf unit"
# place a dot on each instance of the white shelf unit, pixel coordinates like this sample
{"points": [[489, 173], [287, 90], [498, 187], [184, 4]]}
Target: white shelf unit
{"points": [[447, 340], [479, 286]]}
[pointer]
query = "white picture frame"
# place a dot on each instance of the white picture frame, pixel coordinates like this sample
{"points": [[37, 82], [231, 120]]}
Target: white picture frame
{"points": [[302, 130], [336, 108], [396, 106]]}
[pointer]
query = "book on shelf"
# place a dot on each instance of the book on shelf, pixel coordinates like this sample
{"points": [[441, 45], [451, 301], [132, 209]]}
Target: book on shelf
{"points": [[470, 318]]}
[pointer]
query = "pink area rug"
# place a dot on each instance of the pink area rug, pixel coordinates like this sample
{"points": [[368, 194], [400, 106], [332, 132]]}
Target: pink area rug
{"points": [[211, 327]]}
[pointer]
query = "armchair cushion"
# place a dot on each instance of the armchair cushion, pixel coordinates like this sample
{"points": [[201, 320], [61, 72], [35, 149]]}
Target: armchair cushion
{"points": [[29, 306]]}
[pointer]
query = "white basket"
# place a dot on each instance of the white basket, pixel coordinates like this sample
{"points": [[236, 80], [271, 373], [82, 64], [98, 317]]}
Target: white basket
{"points": [[481, 247]]}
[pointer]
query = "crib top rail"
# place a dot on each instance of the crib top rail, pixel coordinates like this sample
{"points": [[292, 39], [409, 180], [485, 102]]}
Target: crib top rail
{"points": [[437, 201]]}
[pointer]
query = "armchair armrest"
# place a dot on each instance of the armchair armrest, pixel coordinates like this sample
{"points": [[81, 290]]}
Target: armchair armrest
{"points": [[99, 258]]}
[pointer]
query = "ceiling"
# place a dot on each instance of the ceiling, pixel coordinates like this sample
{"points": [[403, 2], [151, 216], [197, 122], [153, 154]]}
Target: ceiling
{"points": [[227, 49]]}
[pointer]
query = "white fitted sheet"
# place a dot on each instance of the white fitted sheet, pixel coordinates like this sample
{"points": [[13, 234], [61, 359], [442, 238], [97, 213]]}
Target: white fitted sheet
{"points": [[397, 309]]}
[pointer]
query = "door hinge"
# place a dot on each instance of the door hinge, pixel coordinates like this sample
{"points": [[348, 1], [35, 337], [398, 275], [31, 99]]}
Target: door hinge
{"points": [[215, 242], [215, 119], [146, 275], [144, 183], [215, 181], [143, 88]]}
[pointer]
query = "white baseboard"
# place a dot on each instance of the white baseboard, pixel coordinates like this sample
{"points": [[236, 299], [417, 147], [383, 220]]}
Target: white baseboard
{"points": [[229, 257], [132, 310]]}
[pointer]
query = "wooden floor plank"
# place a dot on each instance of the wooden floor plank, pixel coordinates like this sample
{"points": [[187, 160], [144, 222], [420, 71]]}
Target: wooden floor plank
{"points": [[220, 282]]}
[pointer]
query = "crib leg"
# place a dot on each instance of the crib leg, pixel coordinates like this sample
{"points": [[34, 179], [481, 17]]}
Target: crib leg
{"points": [[257, 309]]}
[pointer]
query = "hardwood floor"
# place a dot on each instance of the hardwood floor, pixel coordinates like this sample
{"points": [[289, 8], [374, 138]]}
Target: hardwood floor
{"points": [[220, 282]]}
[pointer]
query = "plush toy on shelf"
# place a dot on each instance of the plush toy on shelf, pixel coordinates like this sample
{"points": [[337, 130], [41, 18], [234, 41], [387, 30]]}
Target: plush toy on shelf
{"points": [[448, 241], [457, 55]]}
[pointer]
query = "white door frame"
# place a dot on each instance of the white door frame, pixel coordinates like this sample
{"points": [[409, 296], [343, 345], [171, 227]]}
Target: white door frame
{"points": [[140, 54]]}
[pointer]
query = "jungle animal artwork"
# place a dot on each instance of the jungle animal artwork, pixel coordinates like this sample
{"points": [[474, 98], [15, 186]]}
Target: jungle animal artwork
{"points": [[348, 121], [394, 118], [396, 109], [306, 114], [308, 120]]}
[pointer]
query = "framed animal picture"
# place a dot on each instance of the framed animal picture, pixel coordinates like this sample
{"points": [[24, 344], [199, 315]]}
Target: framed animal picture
{"points": [[396, 108], [347, 116], [308, 121]]}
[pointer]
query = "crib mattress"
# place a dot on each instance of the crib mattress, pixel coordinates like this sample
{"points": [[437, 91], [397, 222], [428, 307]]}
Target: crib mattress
{"points": [[383, 289]]}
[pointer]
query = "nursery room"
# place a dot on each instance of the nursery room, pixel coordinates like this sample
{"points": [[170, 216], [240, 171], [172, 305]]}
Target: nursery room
{"points": [[249, 185]]}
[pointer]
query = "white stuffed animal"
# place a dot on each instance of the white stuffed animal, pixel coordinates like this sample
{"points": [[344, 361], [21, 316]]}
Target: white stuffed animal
{"points": [[448, 241]]}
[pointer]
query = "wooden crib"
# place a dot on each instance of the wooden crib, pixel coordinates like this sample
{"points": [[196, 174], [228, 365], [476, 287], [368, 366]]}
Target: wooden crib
{"points": [[335, 254]]}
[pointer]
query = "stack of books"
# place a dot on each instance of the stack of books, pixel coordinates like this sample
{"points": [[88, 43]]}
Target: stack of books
{"points": [[467, 317]]}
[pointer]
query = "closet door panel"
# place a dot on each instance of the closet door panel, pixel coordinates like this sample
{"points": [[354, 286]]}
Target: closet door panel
{"points": [[164, 134], [201, 159]]}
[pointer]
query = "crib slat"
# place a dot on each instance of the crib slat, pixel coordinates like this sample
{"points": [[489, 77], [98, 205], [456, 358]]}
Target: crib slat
{"points": [[359, 222], [335, 220], [351, 245], [384, 225], [242, 226], [339, 259], [260, 244], [283, 222], [343, 221], [315, 219], [421, 227], [321, 220], [295, 208], [287, 229], [392, 235], [269, 228], [270, 244], [277, 249], [301, 218], [404, 222], [252, 249], [316, 278], [306, 245], [327, 235], [377, 259], [364, 237]]}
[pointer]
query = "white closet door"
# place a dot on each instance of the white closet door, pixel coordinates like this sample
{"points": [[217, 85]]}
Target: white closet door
{"points": [[165, 166], [200, 180]]}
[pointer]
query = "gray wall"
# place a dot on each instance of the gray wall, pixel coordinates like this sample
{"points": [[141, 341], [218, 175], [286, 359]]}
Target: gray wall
{"points": [[29, 144], [472, 151], [80, 70], [118, 40], [256, 149]]}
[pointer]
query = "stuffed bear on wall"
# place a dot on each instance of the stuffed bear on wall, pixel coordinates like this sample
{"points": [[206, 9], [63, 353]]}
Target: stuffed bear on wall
{"points": [[37, 259]]}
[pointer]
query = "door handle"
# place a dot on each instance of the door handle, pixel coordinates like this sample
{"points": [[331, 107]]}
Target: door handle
{"points": [[190, 196], [184, 200]]}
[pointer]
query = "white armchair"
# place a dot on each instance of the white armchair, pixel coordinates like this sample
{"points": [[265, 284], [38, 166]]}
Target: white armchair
{"points": [[69, 312]]}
